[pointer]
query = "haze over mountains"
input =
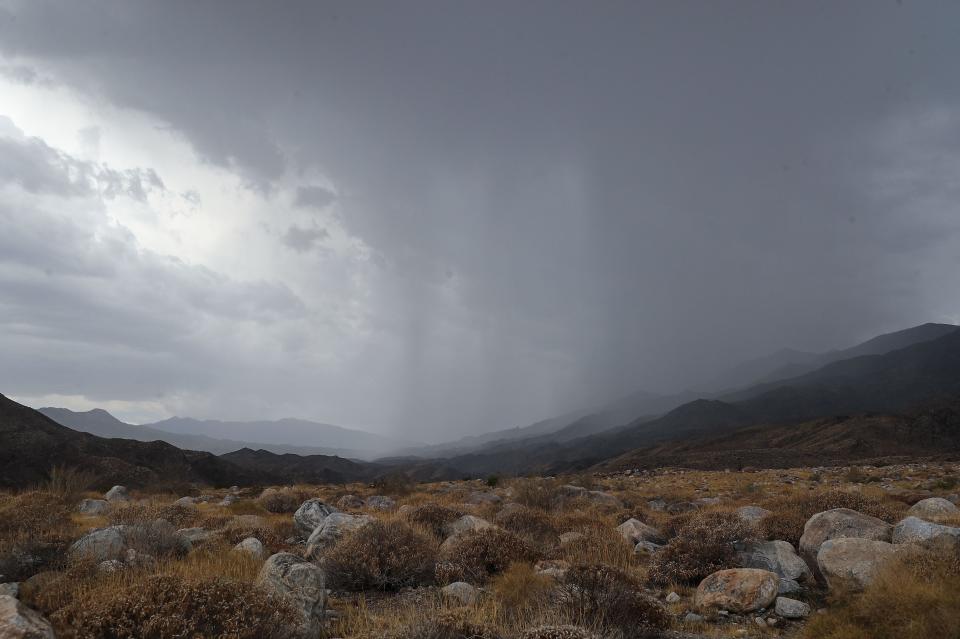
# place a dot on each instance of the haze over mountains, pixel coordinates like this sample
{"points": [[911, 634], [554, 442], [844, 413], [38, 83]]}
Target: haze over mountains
{"points": [[896, 393]]}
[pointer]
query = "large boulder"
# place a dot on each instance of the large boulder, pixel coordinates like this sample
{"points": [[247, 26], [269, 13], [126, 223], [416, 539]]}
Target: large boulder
{"points": [[916, 530], [19, 622], [839, 523], [461, 592], [117, 494], [94, 507], [791, 608], [333, 527], [251, 546], [933, 508], [195, 536], [635, 531], [381, 502], [298, 581], [310, 515], [852, 562], [776, 556], [737, 590], [99, 545]]}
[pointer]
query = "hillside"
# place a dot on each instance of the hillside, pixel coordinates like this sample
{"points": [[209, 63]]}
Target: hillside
{"points": [[302, 468], [33, 444]]}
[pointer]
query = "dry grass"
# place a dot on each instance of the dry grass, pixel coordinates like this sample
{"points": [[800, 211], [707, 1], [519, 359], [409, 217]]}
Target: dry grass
{"points": [[383, 555], [35, 530], [702, 546], [477, 555], [789, 514]]}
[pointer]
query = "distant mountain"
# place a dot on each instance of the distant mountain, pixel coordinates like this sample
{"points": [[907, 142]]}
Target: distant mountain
{"points": [[298, 433], [31, 444], [101, 423], [310, 469]]}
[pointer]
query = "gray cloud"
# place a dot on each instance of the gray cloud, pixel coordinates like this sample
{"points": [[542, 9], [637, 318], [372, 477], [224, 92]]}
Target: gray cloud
{"points": [[628, 195], [315, 197], [303, 240]]}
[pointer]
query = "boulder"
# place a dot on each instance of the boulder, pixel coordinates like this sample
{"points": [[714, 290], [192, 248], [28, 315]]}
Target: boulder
{"points": [[195, 536], [933, 508], [186, 502], [916, 530], [852, 562], [657, 504], [467, 523], [381, 502], [251, 546], [646, 548], [94, 507], [839, 523], [738, 590], [19, 622], [461, 592], [117, 494], [788, 587], [776, 556], [350, 502], [791, 608], [635, 531], [11, 588], [100, 545], [331, 529], [752, 514], [672, 597], [301, 583], [310, 515]]}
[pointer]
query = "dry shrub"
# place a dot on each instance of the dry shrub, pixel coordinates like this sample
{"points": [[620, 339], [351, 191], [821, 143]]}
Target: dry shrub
{"points": [[702, 546], [790, 514], [274, 538], [68, 481], [537, 493], [394, 484], [443, 624], [35, 530], [558, 632], [383, 555], [165, 606], [434, 517], [601, 544], [916, 596], [157, 538], [520, 591], [533, 525], [280, 501], [613, 599], [476, 555]]}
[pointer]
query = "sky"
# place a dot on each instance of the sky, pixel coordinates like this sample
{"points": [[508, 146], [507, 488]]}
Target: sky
{"points": [[443, 218]]}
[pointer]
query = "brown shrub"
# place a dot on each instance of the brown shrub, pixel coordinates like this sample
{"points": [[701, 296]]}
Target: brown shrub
{"points": [[916, 596], [476, 555], [533, 525], [280, 501], [558, 632], [35, 530], [443, 624], [434, 517], [537, 493], [520, 591], [702, 546], [613, 599], [790, 514], [383, 555], [158, 538], [68, 481], [166, 607]]}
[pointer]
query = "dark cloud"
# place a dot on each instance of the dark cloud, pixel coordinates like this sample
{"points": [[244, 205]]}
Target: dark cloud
{"points": [[629, 195]]}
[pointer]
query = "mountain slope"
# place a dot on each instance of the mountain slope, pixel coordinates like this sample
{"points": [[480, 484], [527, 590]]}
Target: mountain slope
{"points": [[31, 444], [313, 469]]}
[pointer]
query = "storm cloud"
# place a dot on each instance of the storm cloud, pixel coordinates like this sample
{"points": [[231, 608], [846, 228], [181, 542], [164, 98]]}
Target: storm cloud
{"points": [[523, 208]]}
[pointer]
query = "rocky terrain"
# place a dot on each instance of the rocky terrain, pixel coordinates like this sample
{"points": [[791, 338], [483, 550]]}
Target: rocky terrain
{"points": [[826, 552]]}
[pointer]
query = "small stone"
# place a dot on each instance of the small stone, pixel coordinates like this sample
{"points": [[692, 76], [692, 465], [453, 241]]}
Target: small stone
{"points": [[381, 502], [117, 493], [251, 546], [673, 597], [692, 617]]}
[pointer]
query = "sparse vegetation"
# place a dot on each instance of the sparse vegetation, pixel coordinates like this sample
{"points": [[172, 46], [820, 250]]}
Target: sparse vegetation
{"points": [[477, 555], [790, 513], [614, 599], [384, 555], [702, 546]]}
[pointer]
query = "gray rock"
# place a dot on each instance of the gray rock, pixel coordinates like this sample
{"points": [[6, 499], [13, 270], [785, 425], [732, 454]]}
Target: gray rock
{"points": [[791, 608], [933, 508], [11, 589], [117, 494], [229, 499], [100, 545], [461, 592], [19, 622], [467, 523], [646, 548], [752, 514], [635, 531], [657, 504], [853, 562], [916, 530], [301, 583], [350, 502], [94, 507], [840, 523], [195, 536], [251, 546], [138, 560], [788, 587], [692, 618], [672, 597], [381, 502], [776, 556], [186, 502], [310, 515], [331, 529]]}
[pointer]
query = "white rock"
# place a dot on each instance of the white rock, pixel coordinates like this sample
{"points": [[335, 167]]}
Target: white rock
{"points": [[853, 562], [310, 515], [100, 545], [301, 583], [331, 529], [916, 530], [117, 493], [635, 531], [19, 622], [251, 546], [840, 523], [673, 597]]}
